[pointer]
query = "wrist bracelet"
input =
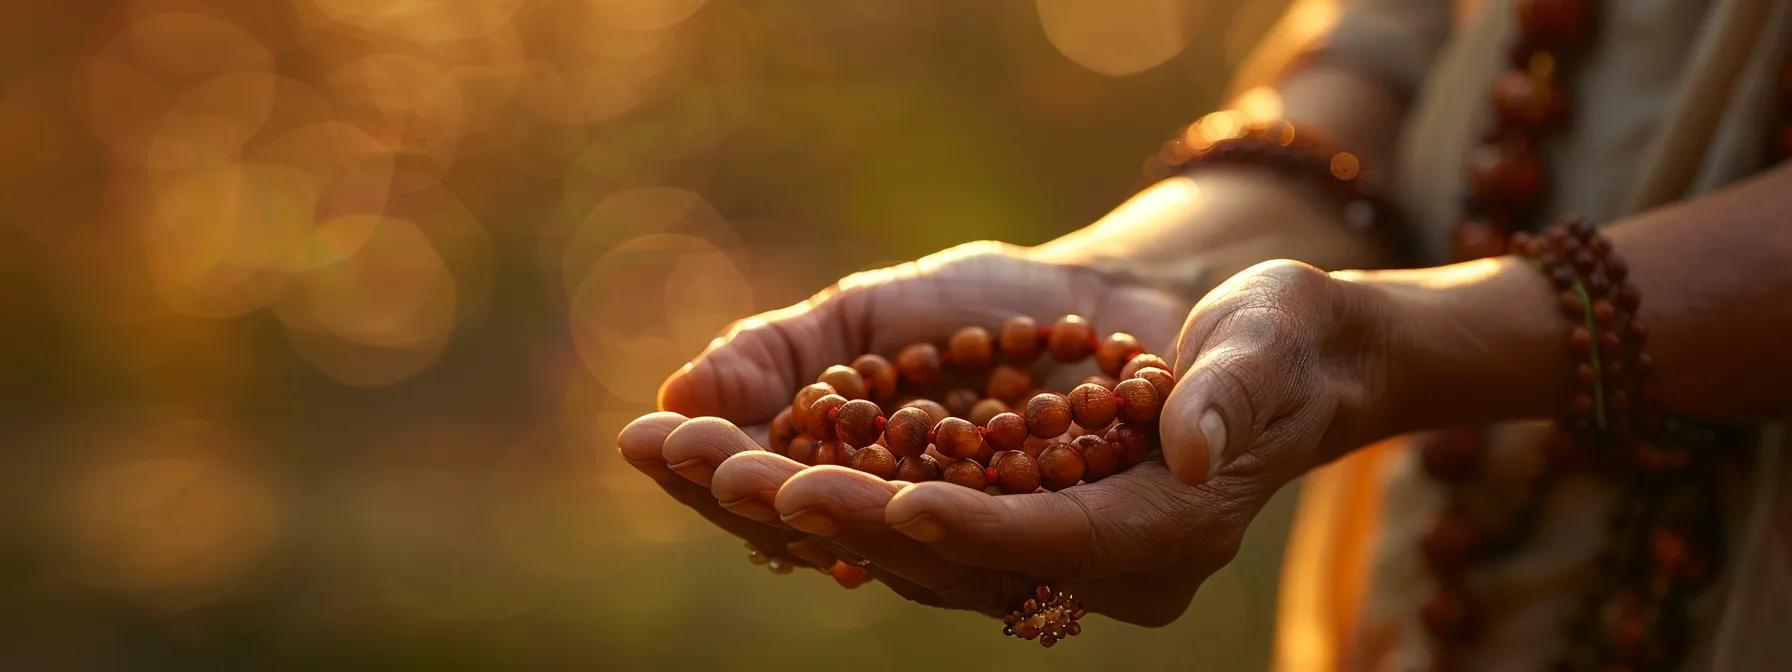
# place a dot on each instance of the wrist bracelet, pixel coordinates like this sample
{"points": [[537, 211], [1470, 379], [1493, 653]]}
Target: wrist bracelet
{"points": [[1223, 138]]}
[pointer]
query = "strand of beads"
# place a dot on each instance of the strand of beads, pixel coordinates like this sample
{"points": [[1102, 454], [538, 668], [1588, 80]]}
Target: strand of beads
{"points": [[878, 416], [1050, 616]]}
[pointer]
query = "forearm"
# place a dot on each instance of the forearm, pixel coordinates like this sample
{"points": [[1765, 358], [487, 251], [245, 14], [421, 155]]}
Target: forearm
{"points": [[1189, 232], [1484, 340]]}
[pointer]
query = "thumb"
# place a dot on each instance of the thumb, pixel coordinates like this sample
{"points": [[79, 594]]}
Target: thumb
{"points": [[1226, 396]]}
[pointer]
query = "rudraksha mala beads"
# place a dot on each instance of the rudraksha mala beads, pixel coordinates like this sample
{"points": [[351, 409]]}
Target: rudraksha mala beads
{"points": [[1050, 616], [991, 428]]}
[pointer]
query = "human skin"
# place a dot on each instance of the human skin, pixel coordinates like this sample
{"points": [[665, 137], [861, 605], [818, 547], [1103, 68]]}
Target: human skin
{"points": [[1282, 367]]}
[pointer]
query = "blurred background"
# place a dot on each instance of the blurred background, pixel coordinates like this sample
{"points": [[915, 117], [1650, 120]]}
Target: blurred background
{"points": [[321, 315]]}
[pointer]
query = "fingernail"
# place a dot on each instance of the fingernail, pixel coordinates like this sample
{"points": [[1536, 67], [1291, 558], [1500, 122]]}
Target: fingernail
{"points": [[695, 469], [812, 521], [750, 507], [1213, 428], [922, 528]]}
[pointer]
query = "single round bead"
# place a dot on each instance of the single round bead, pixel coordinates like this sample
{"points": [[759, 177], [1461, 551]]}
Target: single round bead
{"points": [[846, 381], [905, 433], [1142, 361], [781, 430], [934, 409], [1020, 339], [1526, 101], [1005, 431], [1008, 383], [918, 469], [1505, 177], [1072, 339], [847, 575], [821, 417], [1060, 467], [1134, 443], [799, 405], [802, 449], [1115, 351], [1048, 415], [957, 438], [1448, 614], [1452, 539], [1092, 406], [972, 348], [1477, 239], [1141, 403], [1106, 382], [875, 460], [1556, 24], [1100, 458], [959, 401], [985, 410], [966, 473], [857, 422], [1016, 473], [1162, 380], [919, 364], [879, 375], [833, 452]]}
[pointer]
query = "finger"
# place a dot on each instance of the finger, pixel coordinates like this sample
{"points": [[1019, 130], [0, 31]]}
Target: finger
{"points": [[1227, 392], [750, 372], [1131, 522], [642, 441], [845, 509], [698, 446], [747, 483]]}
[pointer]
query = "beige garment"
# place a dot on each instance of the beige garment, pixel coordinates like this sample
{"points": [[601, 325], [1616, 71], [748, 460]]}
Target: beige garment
{"points": [[1672, 99]]}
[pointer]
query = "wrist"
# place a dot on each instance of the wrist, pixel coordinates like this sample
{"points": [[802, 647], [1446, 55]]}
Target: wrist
{"points": [[1465, 344]]}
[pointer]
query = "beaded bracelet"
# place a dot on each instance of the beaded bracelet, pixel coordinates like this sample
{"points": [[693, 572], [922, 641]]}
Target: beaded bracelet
{"points": [[1615, 406], [1222, 138]]}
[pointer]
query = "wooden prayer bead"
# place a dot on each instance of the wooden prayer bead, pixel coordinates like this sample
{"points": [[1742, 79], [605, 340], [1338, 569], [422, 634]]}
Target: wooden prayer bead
{"points": [[1134, 443], [1132, 367], [1160, 379], [846, 381], [799, 406], [1101, 458], [822, 416], [935, 410], [960, 400], [833, 452], [1092, 406], [985, 410], [1071, 339], [859, 422], [1141, 404], [918, 469], [1106, 382], [919, 364], [1008, 383], [781, 430], [1115, 350], [875, 460], [1048, 415], [957, 437], [1020, 339], [972, 348], [802, 449], [1006, 431], [1060, 467], [1016, 473], [966, 473], [879, 375], [905, 433]]}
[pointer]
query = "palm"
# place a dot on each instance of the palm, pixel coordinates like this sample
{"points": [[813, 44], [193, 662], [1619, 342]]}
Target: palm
{"points": [[1115, 543]]}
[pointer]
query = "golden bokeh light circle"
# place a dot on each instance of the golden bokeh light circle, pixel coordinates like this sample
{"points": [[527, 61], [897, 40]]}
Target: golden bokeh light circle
{"points": [[1119, 37]]}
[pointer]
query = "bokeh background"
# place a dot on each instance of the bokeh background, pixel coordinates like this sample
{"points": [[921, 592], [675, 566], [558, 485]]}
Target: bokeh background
{"points": [[321, 315]]}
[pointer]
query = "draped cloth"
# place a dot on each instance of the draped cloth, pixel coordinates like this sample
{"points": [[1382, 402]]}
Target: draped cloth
{"points": [[1670, 99]]}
